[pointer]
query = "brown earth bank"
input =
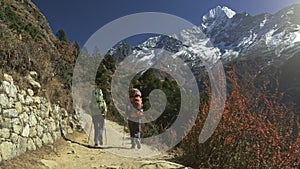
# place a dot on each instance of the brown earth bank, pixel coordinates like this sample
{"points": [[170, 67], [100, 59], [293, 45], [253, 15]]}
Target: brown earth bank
{"points": [[77, 152]]}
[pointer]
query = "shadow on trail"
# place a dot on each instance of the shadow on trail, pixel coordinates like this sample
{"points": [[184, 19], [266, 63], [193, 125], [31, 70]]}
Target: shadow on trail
{"points": [[93, 147], [111, 147]]}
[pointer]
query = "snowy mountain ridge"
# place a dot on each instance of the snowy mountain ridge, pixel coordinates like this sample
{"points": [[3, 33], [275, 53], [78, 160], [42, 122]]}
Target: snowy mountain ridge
{"points": [[270, 42], [230, 35], [244, 33]]}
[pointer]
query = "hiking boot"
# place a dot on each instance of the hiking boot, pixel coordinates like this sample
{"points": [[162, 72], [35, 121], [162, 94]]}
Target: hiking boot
{"points": [[133, 143], [138, 142]]}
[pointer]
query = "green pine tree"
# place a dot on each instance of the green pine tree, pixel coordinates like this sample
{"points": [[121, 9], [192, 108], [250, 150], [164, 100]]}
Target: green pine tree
{"points": [[61, 35]]}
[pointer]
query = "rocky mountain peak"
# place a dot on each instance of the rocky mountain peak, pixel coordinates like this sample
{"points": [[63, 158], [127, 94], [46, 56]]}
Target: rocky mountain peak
{"points": [[218, 13], [216, 16]]}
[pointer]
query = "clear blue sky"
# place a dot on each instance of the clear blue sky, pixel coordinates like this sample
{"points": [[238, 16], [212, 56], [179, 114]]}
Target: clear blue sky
{"points": [[80, 19]]}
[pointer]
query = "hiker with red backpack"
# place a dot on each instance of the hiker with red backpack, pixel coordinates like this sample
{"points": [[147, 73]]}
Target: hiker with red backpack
{"points": [[134, 115]]}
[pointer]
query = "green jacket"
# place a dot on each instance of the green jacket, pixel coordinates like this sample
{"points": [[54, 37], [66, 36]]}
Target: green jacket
{"points": [[98, 104]]}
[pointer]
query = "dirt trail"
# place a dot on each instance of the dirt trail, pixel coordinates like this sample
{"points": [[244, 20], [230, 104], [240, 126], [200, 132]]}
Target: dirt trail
{"points": [[78, 154]]}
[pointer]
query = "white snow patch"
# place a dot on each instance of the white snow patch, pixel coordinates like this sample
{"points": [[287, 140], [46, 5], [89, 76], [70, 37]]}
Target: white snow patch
{"points": [[297, 38], [262, 24]]}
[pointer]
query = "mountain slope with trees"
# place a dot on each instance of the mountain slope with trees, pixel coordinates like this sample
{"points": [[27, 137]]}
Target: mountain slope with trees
{"points": [[28, 44]]}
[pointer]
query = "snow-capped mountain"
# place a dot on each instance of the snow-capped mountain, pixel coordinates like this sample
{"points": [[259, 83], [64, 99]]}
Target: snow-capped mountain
{"points": [[215, 18], [233, 34], [246, 34], [269, 39]]}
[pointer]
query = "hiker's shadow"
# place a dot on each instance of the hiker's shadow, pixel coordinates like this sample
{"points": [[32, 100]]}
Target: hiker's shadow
{"points": [[96, 147], [114, 147]]}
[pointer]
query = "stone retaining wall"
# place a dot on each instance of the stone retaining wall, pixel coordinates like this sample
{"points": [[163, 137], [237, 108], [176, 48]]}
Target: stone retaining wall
{"points": [[27, 121]]}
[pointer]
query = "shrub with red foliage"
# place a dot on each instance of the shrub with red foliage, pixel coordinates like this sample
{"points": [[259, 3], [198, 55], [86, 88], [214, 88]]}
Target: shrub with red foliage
{"points": [[257, 130]]}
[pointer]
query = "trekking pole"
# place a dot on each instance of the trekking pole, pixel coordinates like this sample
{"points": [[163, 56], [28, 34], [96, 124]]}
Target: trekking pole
{"points": [[124, 132], [105, 132], [90, 133]]}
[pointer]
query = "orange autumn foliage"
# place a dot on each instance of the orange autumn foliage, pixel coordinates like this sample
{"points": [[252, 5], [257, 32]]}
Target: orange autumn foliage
{"points": [[257, 130]]}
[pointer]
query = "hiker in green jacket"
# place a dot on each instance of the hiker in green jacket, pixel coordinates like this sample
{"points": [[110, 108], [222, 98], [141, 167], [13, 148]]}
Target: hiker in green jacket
{"points": [[98, 112]]}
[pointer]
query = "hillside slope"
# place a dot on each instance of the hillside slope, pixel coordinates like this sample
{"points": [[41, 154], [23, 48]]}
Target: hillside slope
{"points": [[28, 44]]}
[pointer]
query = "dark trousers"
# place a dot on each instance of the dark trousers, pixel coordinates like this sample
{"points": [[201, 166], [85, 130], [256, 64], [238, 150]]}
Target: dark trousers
{"points": [[135, 130]]}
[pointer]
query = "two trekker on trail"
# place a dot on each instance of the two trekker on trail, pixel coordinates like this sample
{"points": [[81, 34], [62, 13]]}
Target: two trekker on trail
{"points": [[133, 116]]}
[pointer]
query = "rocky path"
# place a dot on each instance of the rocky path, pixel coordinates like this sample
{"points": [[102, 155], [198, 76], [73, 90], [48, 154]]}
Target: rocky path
{"points": [[78, 153]]}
